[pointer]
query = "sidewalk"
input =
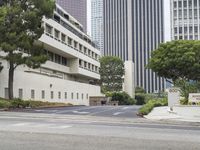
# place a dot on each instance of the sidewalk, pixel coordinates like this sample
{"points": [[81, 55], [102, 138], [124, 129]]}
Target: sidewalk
{"points": [[180, 113]]}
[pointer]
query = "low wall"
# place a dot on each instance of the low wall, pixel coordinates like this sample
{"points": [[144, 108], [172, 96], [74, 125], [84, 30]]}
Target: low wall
{"points": [[188, 111]]}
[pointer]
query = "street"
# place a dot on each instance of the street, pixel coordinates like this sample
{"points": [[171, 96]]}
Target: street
{"points": [[50, 131], [105, 111]]}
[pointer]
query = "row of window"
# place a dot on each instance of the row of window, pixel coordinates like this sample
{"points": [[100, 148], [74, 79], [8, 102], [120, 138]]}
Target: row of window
{"points": [[67, 26], [185, 30], [185, 4], [70, 42], [53, 95], [186, 37], [186, 14], [89, 66], [56, 58]]}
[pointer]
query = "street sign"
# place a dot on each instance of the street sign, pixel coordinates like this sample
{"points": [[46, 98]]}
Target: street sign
{"points": [[194, 97], [173, 97]]}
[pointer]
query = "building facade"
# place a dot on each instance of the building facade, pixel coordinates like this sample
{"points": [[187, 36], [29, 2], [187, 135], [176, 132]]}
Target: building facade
{"points": [[97, 23], [132, 30], [76, 8], [70, 74], [185, 19]]}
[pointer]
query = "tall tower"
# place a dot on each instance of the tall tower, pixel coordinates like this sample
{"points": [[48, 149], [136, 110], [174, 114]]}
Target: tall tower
{"points": [[185, 19], [97, 23], [76, 8], [132, 30]]}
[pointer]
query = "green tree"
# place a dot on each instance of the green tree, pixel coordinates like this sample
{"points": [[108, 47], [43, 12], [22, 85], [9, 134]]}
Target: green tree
{"points": [[177, 60], [187, 87], [139, 90], [20, 28], [111, 71]]}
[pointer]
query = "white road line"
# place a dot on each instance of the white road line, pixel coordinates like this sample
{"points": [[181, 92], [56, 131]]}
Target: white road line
{"points": [[40, 110], [78, 112], [64, 127], [124, 108], [117, 113], [20, 124]]}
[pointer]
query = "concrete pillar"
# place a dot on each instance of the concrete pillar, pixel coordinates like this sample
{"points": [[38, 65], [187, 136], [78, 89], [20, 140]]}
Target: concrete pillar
{"points": [[129, 83]]}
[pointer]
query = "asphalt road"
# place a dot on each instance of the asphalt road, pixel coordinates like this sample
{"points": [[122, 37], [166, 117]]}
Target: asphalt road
{"points": [[43, 131], [103, 111]]}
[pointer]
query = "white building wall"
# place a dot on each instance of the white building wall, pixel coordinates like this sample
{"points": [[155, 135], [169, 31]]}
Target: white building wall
{"points": [[31, 81]]}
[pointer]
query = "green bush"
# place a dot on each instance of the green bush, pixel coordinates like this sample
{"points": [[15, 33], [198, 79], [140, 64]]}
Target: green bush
{"points": [[4, 104], [123, 98], [148, 107], [140, 99], [139, 90], [184, 101], [18, 103]]}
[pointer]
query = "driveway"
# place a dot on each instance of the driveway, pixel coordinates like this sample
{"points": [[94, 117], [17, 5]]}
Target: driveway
{"points": [[103, 111]]}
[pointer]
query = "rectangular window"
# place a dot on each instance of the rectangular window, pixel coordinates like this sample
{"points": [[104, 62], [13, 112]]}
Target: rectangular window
{"points": [[57, 59], [75, 44], [64, 61], [77, 95], [59, 95], [48, 29], [85, 50], [57, 34], [80, 47], [43, 94], [89, 52], [85, 64], [72, 95], [6, 93], [65, 95], [82, 96], [69, 41], [87, 96], [51, 56], [63, 37], [20, 93], [52, 95], [32, 94]]}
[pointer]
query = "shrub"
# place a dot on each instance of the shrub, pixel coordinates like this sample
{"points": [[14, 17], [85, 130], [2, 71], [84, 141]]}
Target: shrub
{"points": [[139, 90], [184, 101], [18, 103], [148, 107], [4, 104], [140, 99], [123, 98]]}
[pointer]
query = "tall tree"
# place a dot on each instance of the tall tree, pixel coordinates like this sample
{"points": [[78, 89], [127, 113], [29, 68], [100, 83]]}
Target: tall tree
{"points": [[111, 71], [20, 28], [177, 60]]}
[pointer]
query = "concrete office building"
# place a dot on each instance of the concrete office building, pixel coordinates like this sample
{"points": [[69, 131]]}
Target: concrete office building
{"points": [[97, 23], [132, 30], [70, 73], [185, 19], [76, 8]]}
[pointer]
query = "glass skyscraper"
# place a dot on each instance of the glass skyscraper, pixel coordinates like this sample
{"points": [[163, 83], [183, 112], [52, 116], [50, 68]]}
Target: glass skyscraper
{"points": [[185, 19], [132, 30], [97, 23]]}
